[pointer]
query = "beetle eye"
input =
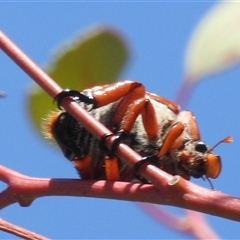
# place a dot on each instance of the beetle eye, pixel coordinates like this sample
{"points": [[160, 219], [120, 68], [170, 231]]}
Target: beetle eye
{"points": [[201, 147]]}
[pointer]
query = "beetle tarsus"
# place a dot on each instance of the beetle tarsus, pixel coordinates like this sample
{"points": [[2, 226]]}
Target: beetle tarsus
{"points": [[137, 165], [76, 95], [102, 144], [111, 152]]}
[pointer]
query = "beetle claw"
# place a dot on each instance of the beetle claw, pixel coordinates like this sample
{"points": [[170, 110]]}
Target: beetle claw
{"points": [[137, 165], [102, 142], [110, 152], [76, 96]]}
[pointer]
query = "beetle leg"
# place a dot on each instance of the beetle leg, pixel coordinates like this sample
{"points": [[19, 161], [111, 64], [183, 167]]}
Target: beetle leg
{"points": [[137, 92], [106, 94], [77, 96], [111, 162], [148, 159], [129, 91], [84, 167], [175, 131], [111, 169], [144, 107], [171, 105], [102, 146], [188, 118], [120, 135]]}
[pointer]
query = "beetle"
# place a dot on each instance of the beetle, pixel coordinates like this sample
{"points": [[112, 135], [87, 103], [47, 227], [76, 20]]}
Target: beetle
{"points": [[151, 125]]}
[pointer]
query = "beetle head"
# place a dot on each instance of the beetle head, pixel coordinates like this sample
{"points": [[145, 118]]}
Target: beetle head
{"points": [[197, 160]]}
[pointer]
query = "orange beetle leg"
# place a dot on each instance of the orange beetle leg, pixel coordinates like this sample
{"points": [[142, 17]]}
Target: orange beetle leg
{"points": [[172, 135], [106, 94], [171, 105], [137, 92], [188, 118], [150, 121], [132, 113], [144, 107], [111, 169], [84, 167]]}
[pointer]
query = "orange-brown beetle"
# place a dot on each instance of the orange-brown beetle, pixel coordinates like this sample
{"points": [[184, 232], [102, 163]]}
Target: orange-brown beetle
{"points": [[151, 125]]}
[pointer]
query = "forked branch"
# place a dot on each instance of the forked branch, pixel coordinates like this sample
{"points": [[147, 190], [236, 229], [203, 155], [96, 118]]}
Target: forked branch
{"points": [[176, 192], [166, 189]]}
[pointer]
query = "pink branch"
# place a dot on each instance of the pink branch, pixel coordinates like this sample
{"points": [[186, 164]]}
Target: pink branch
{"points": [[178, 192], [195, 223], [18, 231], [192, 223], [166, 189], [184, 91]]}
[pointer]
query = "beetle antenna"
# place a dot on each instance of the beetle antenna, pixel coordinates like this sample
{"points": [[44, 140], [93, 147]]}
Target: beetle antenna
{"points": [[209, 181], [227, 139]]}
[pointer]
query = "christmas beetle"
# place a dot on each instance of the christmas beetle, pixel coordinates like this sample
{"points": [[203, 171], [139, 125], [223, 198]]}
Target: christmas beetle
{"points": [[151, 125]]}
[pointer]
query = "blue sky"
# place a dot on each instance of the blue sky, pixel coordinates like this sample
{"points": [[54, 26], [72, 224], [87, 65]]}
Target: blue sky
{"points": [[157, 34]]}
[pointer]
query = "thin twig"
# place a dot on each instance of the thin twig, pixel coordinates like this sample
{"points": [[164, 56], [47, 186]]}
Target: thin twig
{"points": [[19, 231]]}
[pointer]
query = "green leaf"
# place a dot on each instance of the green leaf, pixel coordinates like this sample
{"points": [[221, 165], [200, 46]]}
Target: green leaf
{"points": [[215, 43], [95, 57]]}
